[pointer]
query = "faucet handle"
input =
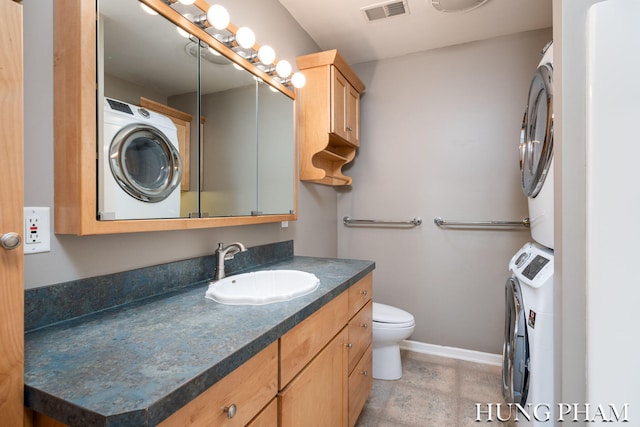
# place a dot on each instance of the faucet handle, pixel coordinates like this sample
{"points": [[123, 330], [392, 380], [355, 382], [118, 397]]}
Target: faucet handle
{"points": [[220, 246]]}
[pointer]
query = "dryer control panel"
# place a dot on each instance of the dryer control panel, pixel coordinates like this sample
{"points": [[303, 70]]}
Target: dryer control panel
{"points": [[534, 267]]}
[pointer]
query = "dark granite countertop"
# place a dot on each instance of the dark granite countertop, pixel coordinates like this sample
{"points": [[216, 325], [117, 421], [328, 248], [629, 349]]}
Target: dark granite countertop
{"points": [[136, 364]]}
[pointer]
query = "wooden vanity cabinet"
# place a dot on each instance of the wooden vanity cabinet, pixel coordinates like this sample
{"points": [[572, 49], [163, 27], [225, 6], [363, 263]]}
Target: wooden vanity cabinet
{"points": [[360, 346], [325, 362], [317, 374], [247, 390], [329, 117]]}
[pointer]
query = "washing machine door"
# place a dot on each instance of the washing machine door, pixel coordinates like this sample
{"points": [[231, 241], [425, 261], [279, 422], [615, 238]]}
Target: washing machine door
{"points": [[145, 163], [515, 350], [536, 135]]}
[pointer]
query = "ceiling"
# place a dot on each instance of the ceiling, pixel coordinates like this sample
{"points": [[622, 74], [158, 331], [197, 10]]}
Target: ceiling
{"points": [[342, 25]]}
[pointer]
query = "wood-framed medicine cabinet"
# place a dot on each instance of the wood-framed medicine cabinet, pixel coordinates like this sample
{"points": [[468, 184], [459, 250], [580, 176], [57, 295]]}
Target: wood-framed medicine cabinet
{"points": [[76, 130]]}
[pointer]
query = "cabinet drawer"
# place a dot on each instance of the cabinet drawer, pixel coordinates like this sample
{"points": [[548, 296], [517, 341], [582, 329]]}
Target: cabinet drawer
{"points": [[360, 383], [250, 388], [360, 334], [302, 343], [360, 293]]}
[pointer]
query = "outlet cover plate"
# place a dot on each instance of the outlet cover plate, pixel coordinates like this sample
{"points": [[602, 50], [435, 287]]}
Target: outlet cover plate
{"points": [[37, 230]]}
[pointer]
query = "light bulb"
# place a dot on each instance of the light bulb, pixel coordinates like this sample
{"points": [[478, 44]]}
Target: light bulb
{"points": [[266, 55], [148, 9], [298, 80], [283, 69], [183, 33], [245, 37], [187, 2], [218, 17]]}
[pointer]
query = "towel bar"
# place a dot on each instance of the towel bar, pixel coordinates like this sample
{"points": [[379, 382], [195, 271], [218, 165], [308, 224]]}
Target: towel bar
{"points": [[444, 223], [411, 223]]}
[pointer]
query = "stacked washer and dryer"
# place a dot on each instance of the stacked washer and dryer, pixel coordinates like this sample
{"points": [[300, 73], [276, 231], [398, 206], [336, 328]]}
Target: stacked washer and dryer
{"points": [[528, 351]]}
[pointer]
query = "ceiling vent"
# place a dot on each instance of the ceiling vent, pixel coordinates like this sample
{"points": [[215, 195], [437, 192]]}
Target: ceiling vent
{"points": [[385, 10]]}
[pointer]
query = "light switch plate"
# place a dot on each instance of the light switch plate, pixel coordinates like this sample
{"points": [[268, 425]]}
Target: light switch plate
{"points": [[37, 230]]}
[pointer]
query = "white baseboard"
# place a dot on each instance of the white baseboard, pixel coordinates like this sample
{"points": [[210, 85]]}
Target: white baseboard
{"points": [[452, 352]]}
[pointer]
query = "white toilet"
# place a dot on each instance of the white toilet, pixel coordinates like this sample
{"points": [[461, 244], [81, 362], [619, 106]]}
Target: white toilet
{"points": [[390, 326]]}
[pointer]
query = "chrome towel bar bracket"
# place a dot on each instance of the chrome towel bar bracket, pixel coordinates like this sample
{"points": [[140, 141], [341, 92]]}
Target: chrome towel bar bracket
{"points": [[444, 223], [411, 223]]}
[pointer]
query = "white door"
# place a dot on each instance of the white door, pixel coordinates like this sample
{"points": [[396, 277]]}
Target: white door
{"points": [[11, 216]]}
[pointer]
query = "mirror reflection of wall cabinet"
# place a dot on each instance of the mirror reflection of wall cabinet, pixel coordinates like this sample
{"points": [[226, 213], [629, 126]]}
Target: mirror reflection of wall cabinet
{"points": [[329, 117], [139, 62]]}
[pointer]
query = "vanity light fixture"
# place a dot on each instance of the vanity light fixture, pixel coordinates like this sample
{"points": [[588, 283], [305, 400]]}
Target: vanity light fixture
{"points": [[298, 80], [245, 38], [266, 55], [183, 33], [218, 17], [148, 9], [242, 42], [283, 69]]}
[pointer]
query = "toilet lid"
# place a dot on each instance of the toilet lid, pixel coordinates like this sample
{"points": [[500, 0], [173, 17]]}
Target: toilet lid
{"points": [[387, 314]]}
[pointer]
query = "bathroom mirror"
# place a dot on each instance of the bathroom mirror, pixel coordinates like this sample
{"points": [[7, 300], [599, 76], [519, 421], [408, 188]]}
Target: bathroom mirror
{"points": [[234, 132], [276, 152]]}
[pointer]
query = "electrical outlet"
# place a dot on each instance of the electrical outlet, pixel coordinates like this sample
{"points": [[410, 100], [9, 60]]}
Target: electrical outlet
{"points": [[37, 230]]}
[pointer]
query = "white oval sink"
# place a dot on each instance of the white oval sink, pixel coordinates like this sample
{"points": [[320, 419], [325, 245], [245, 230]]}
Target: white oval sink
{"points": [[262, 287]]}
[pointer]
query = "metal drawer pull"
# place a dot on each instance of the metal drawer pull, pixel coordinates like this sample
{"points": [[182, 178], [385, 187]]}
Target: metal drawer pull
{"points": [[364, 325], [365, 373], [363, 292], [349, 345], [230, 410]]}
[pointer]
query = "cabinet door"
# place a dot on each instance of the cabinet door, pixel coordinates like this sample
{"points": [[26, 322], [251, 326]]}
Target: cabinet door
{"points": [[302, 343], [352, 114], [339, 94], [318, 395]]}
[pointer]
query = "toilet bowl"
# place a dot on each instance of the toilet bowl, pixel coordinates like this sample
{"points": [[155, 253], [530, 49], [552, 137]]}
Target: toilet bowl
{"points": [[390, 326]]}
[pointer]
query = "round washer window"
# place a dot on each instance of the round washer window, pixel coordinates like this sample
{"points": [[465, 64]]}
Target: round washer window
{"points": [[145, 164], [536, 137]]}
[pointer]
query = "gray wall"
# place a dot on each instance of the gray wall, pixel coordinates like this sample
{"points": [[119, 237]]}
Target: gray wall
{"points": [[440, 133], [73, 257]]}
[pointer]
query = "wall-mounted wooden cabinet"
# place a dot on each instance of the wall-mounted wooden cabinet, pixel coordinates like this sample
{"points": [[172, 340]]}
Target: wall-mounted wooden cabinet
{"points": [[329, 117]]}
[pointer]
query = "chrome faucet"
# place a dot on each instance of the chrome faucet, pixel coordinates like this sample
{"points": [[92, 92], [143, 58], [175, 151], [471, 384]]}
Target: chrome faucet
{"points": [[224, 253]]}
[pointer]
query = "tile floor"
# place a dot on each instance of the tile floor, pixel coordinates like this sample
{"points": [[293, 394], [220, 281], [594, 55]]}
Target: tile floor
{"points": [[433, 392]]}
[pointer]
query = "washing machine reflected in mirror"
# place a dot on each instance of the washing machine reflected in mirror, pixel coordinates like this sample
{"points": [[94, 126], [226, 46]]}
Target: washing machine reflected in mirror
{"points": [[139, 164]]}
